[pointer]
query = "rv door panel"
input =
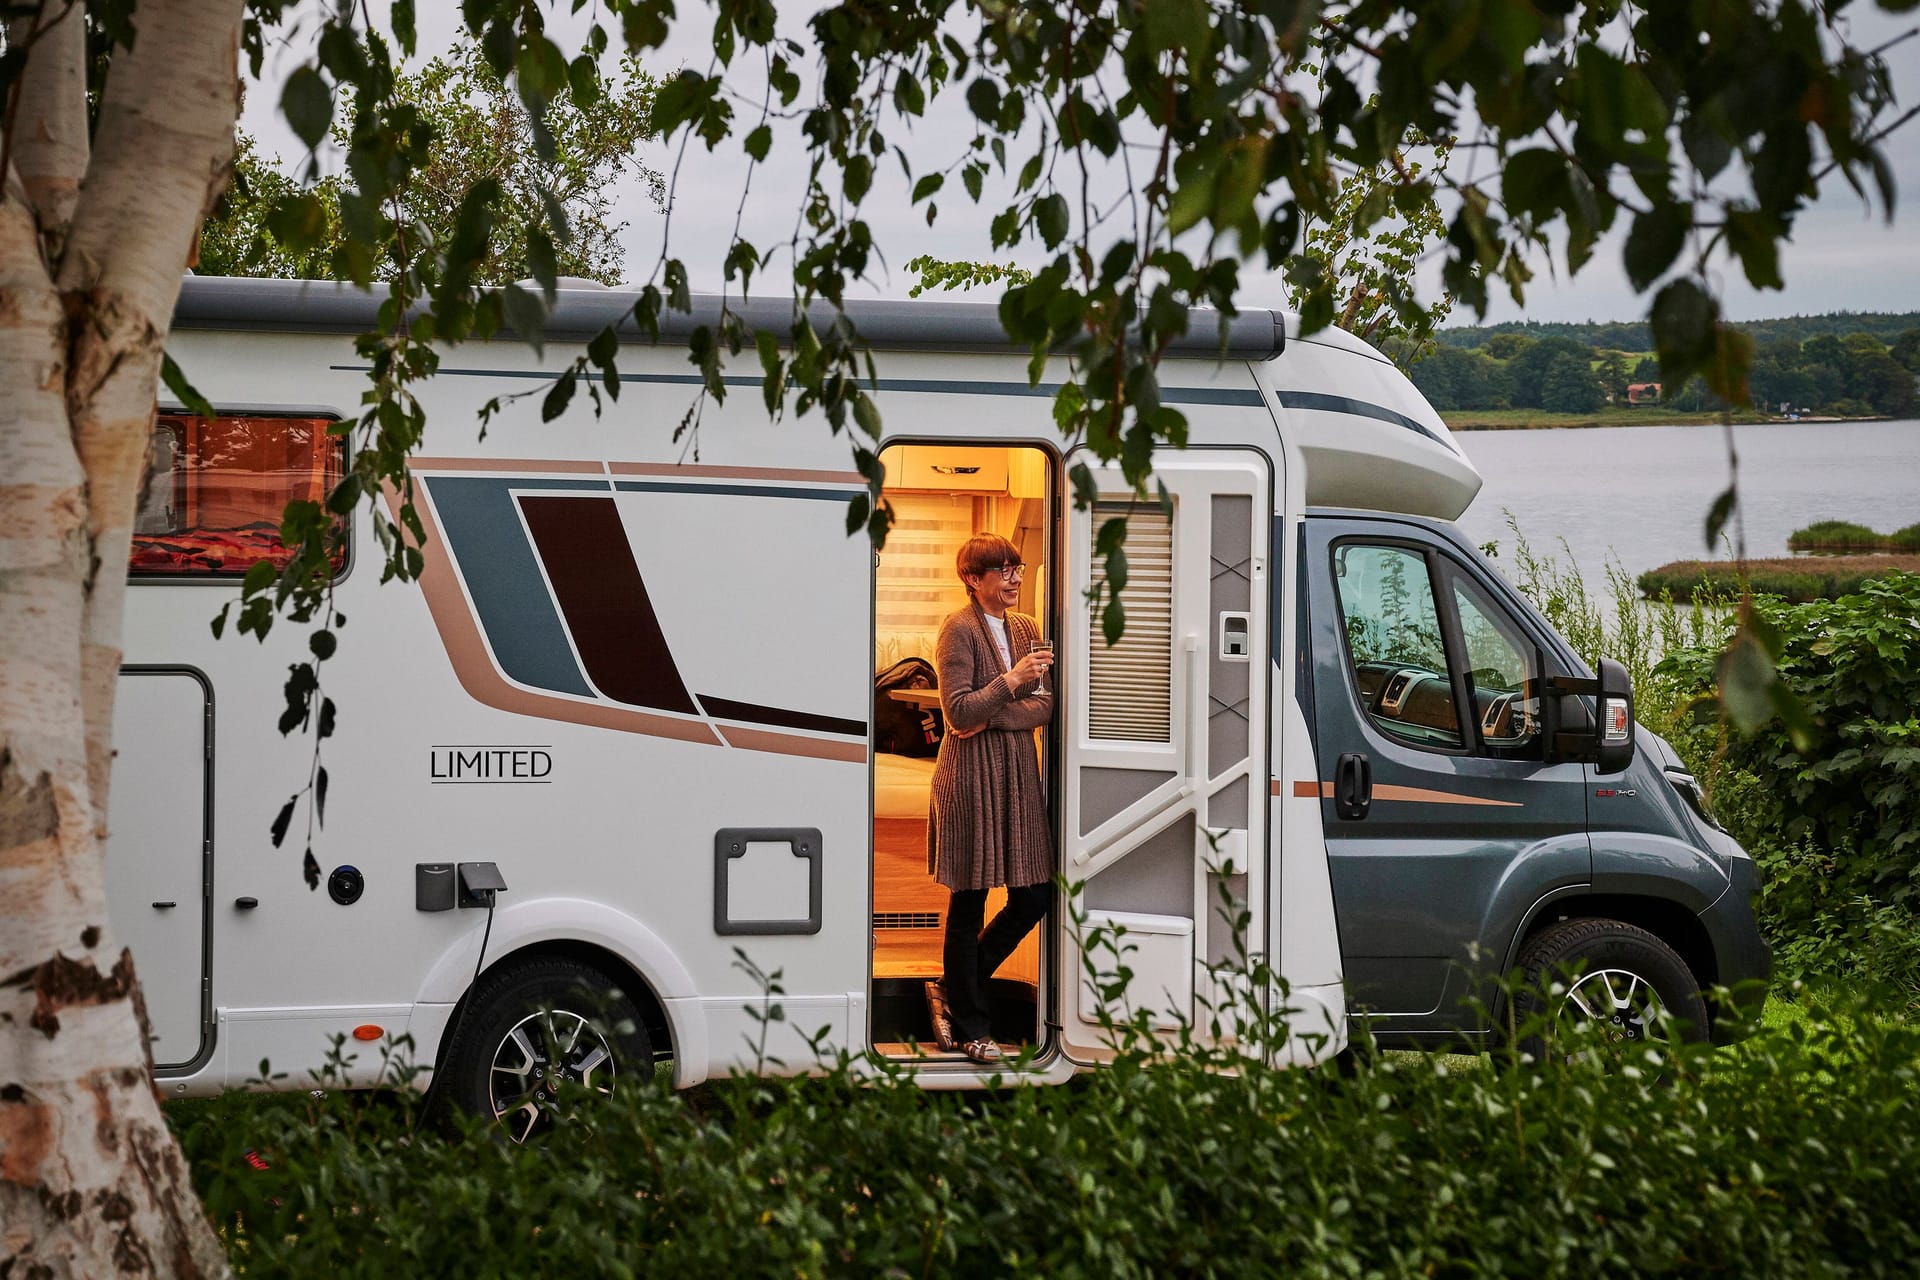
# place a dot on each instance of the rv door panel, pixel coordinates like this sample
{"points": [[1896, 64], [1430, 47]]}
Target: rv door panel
{"points": [[1166, 746], [157, 850]]}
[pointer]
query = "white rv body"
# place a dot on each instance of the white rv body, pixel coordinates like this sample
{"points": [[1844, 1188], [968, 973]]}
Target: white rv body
{"points": [[473, 729]]}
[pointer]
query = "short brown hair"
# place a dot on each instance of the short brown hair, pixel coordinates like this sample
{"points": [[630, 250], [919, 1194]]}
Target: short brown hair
{"points": [[981, 552]]}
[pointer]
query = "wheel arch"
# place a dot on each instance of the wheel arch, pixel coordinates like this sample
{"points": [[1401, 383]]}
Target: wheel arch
{"points": [[629, 954], [1671, 922]]}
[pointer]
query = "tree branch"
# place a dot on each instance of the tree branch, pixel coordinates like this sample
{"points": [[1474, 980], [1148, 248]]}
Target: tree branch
{"points": [[47, 132]]}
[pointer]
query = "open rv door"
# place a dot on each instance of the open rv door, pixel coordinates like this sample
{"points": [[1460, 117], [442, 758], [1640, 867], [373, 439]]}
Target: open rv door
{"points": [[1164, 833]]}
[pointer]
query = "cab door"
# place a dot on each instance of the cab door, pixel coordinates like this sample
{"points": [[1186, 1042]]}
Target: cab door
{"points": [[1164, 829], [1443, 819]]}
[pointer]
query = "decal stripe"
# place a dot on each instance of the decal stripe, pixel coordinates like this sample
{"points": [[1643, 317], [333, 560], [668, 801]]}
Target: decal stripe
{"points": [[734, 473], [590, 564], [1358, 408], [751, 713], [503, 579], [1241, 396], [751, 491], [481, 679], [1406, 795]]}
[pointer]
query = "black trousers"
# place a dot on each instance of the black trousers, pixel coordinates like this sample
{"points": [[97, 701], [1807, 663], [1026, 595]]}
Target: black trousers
{"points": [[971, 954]]}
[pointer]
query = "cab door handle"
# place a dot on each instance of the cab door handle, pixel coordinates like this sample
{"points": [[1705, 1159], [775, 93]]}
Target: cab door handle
{"points": [[1353, 786]]}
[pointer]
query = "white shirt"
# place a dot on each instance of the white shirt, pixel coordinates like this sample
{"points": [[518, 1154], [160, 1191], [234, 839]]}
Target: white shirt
{"points": [[997, 628]]}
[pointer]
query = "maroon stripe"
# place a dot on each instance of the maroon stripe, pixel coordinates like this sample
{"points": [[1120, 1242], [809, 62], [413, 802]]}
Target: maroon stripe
{"points": [[590, 564]]}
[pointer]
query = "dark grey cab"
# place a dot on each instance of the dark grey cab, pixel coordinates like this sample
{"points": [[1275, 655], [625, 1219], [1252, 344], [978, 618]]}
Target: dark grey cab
{"points": [[1490, 805]]}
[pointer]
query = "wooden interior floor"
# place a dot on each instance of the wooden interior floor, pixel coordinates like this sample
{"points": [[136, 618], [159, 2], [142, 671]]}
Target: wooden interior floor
{"points": [[902, 885]]}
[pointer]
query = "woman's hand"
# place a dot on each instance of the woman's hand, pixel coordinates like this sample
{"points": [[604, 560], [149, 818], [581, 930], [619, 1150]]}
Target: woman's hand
{"points": [[1030, 668]]}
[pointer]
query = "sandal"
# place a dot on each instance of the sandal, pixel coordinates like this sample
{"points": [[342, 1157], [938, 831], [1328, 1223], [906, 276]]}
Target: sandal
{"points": [[985, 1051], [941, 1018]]}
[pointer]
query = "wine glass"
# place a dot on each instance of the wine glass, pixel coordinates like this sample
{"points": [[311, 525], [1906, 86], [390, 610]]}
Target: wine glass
{"points": [[1042, 646]]}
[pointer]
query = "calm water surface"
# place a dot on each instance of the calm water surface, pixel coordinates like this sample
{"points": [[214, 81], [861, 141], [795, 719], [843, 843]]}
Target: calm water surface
{"points": [[1640, 494]]}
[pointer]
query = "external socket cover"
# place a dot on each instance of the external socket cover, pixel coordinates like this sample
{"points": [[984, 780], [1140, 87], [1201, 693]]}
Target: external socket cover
{"points": [[433, 887]]}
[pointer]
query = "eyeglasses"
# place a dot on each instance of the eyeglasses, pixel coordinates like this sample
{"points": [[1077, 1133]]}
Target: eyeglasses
{"points": [[1007, 572]]}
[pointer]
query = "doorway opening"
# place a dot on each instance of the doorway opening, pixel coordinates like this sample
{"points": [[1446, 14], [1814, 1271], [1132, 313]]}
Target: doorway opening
{"points": [[941, 495]]}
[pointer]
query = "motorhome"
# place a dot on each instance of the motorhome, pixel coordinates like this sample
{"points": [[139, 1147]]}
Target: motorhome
{"points": [[626, 726]]}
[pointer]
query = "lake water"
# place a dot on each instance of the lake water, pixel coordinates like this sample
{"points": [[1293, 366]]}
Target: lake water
{"points": [[1641, 494]]}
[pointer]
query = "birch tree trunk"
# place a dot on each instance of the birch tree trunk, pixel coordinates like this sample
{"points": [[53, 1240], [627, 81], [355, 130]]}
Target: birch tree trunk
{"points": [[93, 242]]}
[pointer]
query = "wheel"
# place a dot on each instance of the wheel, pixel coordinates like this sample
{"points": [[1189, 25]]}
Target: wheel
{"points": [[1603, 987], [540, 1038]]}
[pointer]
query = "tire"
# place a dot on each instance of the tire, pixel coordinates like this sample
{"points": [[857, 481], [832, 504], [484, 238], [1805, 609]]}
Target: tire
{"points": [[539, 1039], [1603, 987]]}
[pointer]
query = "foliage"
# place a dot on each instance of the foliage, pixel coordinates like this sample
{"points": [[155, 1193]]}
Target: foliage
{"points": [[1790, 1155], [1361, 257], [1835, 819], [1613, 622], [479, 130], [932, 273], [1845, 533], [1704, 131], [1796, 579], [1637, 335], [1855, 376]]}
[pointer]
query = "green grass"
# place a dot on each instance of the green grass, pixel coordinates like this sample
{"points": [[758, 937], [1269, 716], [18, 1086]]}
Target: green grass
{"points": [[1652, 415], [1825, 535]]}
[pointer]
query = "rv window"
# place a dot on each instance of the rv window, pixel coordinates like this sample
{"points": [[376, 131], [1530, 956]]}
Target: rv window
{"points": [[1503, 670], [215, 491], [1393, 637]]}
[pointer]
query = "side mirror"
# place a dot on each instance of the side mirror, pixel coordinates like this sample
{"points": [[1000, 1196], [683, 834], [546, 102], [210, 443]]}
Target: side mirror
{"points": [[1606, 741], [1615, 711]]}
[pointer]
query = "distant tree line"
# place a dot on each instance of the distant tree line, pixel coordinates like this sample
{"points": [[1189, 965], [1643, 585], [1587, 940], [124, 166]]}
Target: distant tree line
{"points": [[1853, 375], [1637, 336]]}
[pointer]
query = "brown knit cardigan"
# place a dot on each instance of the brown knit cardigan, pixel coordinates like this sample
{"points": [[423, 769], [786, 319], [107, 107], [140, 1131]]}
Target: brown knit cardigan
{"points": [[988, 821]]}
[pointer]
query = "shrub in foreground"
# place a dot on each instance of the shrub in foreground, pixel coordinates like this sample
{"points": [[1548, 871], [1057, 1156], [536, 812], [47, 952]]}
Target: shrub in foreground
{"points": [[1792, 1154], [1834, 821]]}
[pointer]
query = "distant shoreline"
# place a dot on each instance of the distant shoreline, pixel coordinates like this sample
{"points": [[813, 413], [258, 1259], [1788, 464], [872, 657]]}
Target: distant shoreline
{"points": [[1540, 420]]}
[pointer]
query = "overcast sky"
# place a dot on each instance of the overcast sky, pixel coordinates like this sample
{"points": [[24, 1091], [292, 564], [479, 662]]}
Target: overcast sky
{"points": [[1844, 256]]}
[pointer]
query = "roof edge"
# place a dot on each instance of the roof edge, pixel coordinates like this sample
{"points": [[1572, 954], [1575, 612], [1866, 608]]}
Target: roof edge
{"points": [[331, 306]]}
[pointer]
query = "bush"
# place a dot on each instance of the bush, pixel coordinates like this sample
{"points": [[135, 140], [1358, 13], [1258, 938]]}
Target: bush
{"points": [[1793, 1154], [1833, 533], [1797, 581], [1834, 822]]}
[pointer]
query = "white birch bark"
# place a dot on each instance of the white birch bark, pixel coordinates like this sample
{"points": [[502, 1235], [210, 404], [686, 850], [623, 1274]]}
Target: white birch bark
{"points": [[91, 254]]}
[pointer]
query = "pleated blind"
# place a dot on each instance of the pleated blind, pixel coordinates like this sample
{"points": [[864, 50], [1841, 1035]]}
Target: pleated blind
{"points": [[915, 586], [1131, 694]]}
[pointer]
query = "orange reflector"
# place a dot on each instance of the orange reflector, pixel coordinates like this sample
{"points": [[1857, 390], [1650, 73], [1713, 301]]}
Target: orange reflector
{"points": [[367, 1031]]}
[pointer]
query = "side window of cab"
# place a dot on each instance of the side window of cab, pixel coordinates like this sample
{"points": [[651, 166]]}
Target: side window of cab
{"points": [[1425, 642]]}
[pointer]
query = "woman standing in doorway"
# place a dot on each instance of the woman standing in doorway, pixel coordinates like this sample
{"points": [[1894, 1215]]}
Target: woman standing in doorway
{"points": [[988, 824]]}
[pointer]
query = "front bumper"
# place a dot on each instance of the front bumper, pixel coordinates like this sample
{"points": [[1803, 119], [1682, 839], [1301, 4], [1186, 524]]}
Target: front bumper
{"points": [[1741, 955]]}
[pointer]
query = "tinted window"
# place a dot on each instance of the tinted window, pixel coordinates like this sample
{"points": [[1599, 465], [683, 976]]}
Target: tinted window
{"points": [[1503, 670], [215, 491], [1393, 631]]}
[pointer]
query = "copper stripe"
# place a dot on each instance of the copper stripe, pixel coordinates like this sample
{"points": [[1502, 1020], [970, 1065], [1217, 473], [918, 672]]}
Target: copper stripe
{"points": [[735, 473], [511, 466], [1406, 795]]}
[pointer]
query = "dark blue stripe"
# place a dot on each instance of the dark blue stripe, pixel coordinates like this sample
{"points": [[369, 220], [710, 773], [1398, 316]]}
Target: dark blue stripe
{"points": [[1359, 408], [516, 612], [924, 386], [653, 486]]}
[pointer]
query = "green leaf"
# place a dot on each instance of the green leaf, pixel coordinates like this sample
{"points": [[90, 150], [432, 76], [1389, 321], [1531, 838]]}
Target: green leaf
{"points": [[1655, 241], [928, 184], [542, 262], [307, 103], [184, 391], [758, 143], [526, 313], [1717, 515], [1052, 218], [558, 396], [867, 414]]}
